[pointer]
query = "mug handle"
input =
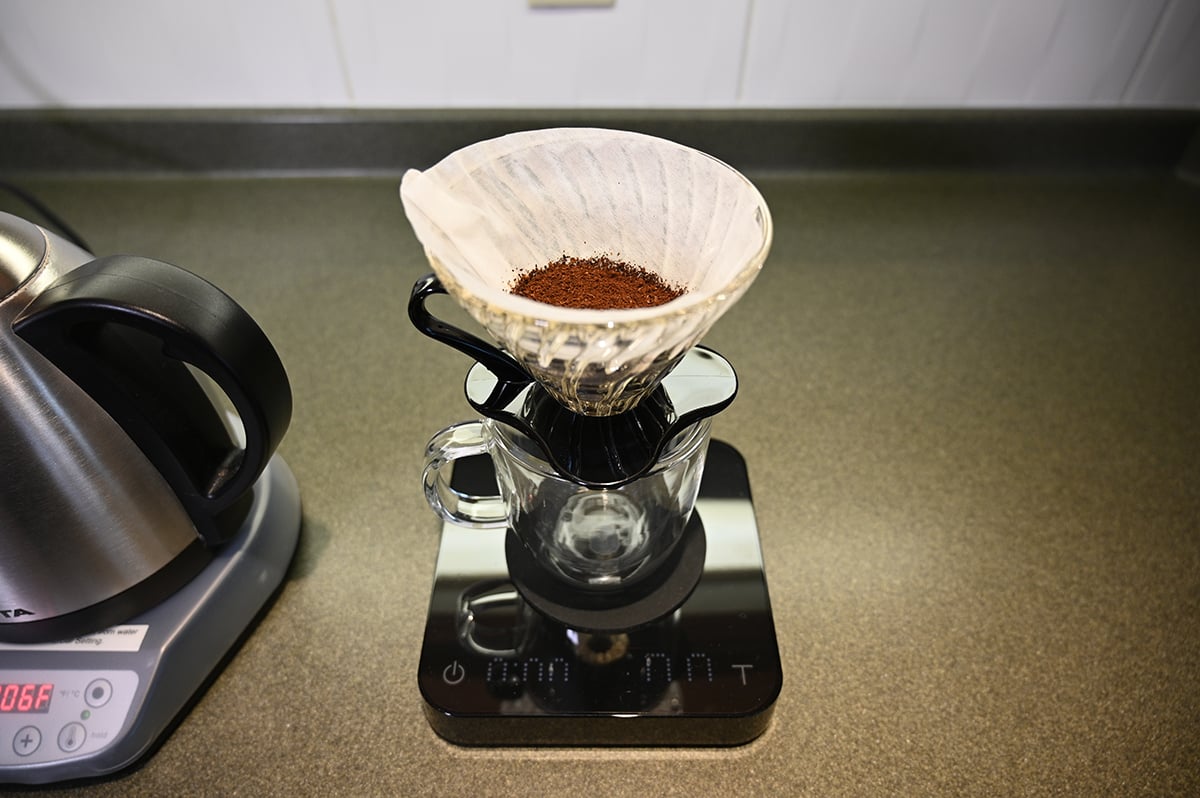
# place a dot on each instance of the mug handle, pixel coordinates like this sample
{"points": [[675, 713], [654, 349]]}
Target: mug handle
{"points": [[122, 327], [453, 443]]}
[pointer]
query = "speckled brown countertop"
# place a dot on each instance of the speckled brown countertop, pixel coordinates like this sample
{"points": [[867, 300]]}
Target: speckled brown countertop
{"points": [[969, 406]]}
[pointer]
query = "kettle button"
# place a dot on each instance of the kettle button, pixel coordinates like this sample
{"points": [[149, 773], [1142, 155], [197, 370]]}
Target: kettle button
{"points": [[72, 737], [98, 692], [28, 740]]}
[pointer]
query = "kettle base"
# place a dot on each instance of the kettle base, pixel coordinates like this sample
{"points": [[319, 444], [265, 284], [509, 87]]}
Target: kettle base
{"points": [[102, 702], [148, 593]]}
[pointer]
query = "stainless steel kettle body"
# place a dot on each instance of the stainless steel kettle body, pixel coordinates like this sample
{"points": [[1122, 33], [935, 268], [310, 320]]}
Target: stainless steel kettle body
{"points": [[118, 475]]}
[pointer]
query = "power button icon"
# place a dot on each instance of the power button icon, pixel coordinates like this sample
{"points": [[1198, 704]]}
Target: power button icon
{"points": [[454, 673]]}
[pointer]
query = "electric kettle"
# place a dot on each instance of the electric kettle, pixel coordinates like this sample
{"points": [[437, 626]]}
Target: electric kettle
{"points": [[119, 470]]}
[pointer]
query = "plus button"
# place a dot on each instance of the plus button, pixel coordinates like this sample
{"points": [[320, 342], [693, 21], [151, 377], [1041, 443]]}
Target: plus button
{"points": [[28, 740]]}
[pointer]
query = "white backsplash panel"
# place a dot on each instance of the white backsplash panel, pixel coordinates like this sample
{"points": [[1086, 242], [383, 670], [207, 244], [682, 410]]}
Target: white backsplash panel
{"points": [[152, 53], [629, 54], [870, 53], [638, 53]]}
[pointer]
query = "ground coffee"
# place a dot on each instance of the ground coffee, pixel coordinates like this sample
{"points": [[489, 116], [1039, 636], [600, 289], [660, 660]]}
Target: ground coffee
{"points": [[596, 283]]}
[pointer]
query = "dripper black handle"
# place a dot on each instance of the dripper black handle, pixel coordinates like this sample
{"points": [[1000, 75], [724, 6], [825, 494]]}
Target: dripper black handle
{"points": [[122, 328], [495, 360]]}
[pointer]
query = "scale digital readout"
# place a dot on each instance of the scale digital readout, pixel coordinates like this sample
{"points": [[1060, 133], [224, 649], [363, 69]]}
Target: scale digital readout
{"points": [[493, 671]]}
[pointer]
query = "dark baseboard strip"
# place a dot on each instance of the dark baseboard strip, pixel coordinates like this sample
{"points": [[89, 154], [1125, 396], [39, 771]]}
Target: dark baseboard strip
{"points": [[357, 142]]}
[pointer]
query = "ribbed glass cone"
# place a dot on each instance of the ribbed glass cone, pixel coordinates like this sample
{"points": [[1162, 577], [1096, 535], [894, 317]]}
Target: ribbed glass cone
{"points": [[494, 210]]}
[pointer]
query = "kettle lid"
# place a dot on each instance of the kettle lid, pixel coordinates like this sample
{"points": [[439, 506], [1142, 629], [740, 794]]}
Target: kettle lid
{"points": [[22, 248]]}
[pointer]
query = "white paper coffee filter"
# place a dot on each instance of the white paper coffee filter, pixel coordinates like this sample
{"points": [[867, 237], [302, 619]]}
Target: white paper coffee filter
{"points": [[492, 211]]}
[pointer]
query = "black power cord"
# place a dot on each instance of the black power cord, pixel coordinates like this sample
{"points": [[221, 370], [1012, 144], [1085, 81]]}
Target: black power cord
{"points": [[53, 218]]}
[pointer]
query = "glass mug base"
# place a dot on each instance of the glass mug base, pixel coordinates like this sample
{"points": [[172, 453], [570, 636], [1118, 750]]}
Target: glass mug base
{"points": [[657, 592], [591, 539]]}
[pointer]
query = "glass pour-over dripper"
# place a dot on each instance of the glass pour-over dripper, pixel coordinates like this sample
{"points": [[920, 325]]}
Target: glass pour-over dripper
{"points": [[494, 210]]}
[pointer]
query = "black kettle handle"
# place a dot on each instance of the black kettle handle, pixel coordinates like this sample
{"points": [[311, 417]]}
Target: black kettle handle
{"points": [[495, 360], [121, 327]]}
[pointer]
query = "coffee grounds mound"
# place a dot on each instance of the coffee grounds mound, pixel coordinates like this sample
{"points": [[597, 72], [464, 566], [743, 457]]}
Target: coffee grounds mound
{"points": [[596, 283]]}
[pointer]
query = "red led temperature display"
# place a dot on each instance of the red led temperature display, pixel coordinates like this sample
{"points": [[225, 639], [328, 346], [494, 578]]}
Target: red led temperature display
{"points": [[31, 697]]}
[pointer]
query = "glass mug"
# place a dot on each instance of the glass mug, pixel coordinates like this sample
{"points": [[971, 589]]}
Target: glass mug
{"points": [[597, 539]]}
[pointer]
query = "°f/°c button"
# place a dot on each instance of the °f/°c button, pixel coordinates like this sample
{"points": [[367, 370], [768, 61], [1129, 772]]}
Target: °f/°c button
{"points": [[98, 692], [454, 673]]}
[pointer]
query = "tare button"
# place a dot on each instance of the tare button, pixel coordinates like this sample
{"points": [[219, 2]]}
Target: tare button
{"points": [[743, 671]]}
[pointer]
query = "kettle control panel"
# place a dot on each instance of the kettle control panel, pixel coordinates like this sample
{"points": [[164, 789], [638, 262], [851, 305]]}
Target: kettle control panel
{"points": [[52, 715]]}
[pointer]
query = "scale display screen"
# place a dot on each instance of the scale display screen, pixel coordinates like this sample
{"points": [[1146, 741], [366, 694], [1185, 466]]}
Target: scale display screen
{"points": [[494, 654], [32, 697], [496, 672]]}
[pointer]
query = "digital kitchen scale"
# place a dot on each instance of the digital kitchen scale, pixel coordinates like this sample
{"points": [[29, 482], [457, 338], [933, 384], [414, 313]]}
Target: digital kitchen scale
{"points": [[96, 704], [493, 671]]}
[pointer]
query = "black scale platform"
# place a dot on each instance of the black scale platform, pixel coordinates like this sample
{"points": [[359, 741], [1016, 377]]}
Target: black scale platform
{"points": [[494, 671]]}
